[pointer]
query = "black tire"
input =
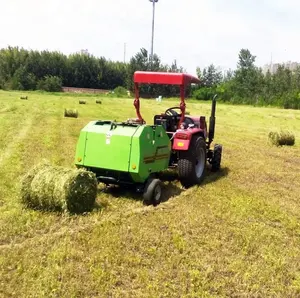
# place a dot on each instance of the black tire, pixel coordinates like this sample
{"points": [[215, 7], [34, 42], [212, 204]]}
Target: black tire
{"points": [[217, 157], [152, 192], [192, 163]]}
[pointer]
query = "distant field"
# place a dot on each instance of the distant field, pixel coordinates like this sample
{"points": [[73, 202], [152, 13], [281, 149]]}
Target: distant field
{"points": [[237, 235]]}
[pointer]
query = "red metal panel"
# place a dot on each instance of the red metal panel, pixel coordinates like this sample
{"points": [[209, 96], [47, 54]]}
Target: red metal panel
{"points": [[169, 78], [182, 144]]}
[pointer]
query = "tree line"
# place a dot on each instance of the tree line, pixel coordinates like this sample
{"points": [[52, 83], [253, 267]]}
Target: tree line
{"points": [[248, 85], [22, 69]]}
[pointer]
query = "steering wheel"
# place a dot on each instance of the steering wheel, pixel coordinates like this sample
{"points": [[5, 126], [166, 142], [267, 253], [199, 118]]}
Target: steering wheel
{"points": [[171, 112]]}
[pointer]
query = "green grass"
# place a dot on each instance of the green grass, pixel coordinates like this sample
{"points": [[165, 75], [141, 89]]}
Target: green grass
{"points": [[238, 234]]}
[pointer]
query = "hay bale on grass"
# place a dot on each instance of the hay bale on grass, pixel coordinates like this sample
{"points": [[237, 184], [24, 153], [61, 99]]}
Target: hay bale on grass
{"points": [[98, 101], [71, 113], [24, 97], [282, 138], [55, 188], [82, 102]]}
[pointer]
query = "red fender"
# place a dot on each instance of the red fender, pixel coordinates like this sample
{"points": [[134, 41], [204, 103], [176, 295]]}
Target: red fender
{"points": [[182, 138]]}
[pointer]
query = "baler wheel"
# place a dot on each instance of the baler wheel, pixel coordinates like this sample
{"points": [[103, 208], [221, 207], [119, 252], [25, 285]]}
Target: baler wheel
{"points": [[152, 192], [192, 163]]}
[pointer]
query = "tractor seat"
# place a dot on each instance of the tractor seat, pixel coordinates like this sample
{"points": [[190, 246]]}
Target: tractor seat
{"points": [[170, 122], [188, 120], [167, 121]]}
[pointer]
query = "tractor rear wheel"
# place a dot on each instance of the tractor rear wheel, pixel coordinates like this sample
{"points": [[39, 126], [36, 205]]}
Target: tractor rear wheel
{"points": [[152, 192], [192, 163], [216, 160]]}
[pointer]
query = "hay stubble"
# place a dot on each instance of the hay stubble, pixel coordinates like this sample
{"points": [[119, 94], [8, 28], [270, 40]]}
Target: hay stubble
{"points": [[235, 236]]}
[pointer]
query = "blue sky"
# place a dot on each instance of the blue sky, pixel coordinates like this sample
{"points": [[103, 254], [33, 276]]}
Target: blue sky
{"points": [[194, 32]]}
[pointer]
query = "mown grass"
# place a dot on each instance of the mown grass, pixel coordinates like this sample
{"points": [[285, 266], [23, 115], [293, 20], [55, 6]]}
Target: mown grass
{"points": [[238, 234]]}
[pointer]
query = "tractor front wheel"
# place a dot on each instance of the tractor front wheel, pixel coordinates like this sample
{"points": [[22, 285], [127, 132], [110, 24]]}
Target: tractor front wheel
{"points": [[152, 192], [217, 157], [192, 163]]}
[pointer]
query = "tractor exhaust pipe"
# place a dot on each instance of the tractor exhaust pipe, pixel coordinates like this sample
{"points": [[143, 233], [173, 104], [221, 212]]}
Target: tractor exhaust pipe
{"points": [[212, 120]]}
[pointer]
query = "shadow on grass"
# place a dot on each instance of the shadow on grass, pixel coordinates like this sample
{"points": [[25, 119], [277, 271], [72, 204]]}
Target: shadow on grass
{"points": [[169, 190], [171, 187], [210, 177]]}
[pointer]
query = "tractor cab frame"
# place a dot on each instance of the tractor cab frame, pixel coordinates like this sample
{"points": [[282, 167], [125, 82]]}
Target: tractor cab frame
{"points": [[181, 128]]}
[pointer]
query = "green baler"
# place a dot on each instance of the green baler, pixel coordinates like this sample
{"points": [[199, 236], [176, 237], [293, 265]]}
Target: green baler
{"points": [[124, 153]]}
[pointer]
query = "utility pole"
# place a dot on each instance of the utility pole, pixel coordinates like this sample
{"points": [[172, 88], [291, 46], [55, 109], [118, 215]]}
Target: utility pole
{"points": [[153, 16], [271, 67], [124, 52]]}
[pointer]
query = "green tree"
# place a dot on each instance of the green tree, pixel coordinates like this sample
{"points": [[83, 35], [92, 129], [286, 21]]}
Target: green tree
{"points": [[139, 62], [50, 84], [248, 79], [23, 80], [210, 76], [246, 59]]}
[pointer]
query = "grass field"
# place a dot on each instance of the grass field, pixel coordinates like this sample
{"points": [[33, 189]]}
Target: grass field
{"points": [[237, 235]]}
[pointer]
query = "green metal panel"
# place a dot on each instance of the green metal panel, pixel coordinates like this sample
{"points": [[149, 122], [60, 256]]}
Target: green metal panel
{"points": [[106, 147], [150, 153], [138, 149], [80, 148]]}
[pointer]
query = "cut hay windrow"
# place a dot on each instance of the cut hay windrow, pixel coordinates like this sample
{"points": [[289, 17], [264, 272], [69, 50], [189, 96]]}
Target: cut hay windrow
{"points": [[71, 113], [82, 102], [282, 138], [55, 188]]}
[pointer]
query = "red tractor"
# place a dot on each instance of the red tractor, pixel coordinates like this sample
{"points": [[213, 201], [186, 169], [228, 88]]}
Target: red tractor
{"points": [[189, 135]]}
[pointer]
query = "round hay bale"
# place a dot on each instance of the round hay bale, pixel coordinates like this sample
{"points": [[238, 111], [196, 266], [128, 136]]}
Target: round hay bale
{"points": [[284, 138], [82, 102], [98, 101], [55, 188], [71, 113]]}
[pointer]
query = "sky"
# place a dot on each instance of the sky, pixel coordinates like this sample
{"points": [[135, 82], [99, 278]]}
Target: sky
{"points": [[195, 33]]}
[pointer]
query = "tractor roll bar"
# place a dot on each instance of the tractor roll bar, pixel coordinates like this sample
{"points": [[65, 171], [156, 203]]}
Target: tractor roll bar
{"points": [[167, 78]]}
